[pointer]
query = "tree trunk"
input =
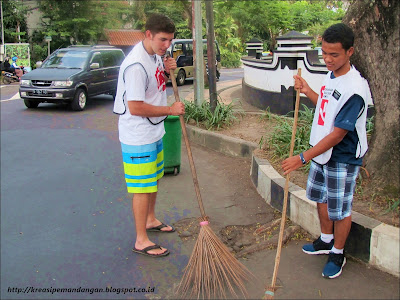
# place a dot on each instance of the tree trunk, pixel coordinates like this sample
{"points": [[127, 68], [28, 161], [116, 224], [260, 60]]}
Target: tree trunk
{"points": [[376, 28], [187, 12]]}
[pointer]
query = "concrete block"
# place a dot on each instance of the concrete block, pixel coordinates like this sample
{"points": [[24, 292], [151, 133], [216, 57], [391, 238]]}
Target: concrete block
{"points": [[212, 141], [359, 240], [277, 195], [196, 135], [269, 171], [254, 171], [385, 248], [264, 183], [304, 212]]}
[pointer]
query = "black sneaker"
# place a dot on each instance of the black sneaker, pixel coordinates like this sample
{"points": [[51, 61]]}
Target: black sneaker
{"points": [[318, 247], [334, 266]]}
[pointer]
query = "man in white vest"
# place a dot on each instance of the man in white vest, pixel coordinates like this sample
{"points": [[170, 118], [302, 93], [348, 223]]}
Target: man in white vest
{"points": [[141, 102], [339, 142]]}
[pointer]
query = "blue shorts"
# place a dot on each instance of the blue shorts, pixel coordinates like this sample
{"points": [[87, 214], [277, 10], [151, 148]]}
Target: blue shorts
{"points": [[333, 183], [143, 166]]}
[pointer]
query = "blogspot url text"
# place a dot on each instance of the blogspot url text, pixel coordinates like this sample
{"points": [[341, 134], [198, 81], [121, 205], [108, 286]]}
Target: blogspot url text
{"points": [[51, 290]]}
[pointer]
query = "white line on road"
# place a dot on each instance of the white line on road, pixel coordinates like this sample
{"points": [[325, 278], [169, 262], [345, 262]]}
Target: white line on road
{"points": [[15, 97]]}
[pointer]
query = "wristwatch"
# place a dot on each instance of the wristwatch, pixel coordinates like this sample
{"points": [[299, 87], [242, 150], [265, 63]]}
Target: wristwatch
{"points": [[303, 160]]}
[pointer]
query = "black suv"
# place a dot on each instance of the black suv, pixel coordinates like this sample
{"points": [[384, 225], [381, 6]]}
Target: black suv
{"points": [[73, 74]]}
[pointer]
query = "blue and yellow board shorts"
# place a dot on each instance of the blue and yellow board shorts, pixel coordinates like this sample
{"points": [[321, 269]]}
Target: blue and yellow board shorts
{"points": [[143, 166]]}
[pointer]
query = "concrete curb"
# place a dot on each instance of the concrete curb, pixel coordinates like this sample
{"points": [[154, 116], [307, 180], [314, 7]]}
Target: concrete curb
{"points": [[221, 143], [370, 241]]}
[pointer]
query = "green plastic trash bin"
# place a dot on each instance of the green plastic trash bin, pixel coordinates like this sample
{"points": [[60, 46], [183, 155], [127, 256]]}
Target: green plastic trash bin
{"points": [[172, 145]]}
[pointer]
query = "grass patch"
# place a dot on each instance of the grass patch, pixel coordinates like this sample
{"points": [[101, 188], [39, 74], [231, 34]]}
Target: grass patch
{"points": [[222, 117], [280, 139]]}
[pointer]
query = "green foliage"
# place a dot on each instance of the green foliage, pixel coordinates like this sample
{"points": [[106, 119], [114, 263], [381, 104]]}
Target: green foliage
{"points": [[281, 137], [88, 21], [14, 14], [370, 126], [267, 20], [39, 53], [19, 50], [393, 205], [178, 10], [230, 59], [223, 115]]}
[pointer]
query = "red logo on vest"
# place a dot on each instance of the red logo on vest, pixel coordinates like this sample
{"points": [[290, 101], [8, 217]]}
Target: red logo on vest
{"points": [[160, 80], [322, 109]]}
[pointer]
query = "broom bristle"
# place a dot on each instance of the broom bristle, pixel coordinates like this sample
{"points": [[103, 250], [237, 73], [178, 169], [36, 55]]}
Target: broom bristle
{"points": [[212, 268]]}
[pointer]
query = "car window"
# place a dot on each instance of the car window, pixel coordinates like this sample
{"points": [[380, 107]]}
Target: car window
{"points": [[178, 50], [108, 59], [112, 58], [65, 59], [119, 57], [96, 58], [189, 49]]}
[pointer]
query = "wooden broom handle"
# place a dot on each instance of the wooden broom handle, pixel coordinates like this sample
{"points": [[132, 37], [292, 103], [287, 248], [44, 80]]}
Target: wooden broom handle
{"points": [[286, 192], [189, 151]]}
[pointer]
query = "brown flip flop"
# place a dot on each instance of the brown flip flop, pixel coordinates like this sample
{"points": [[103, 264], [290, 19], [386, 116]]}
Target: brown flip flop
{"points": [[159, 227], [145, 251]]}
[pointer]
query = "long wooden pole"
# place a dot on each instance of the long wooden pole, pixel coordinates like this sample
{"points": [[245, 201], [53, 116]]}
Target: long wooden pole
{"points": [[189, 151], [269, 294]]}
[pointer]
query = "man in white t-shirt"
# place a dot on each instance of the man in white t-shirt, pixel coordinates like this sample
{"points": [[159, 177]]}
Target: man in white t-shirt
{"points": [[141, 102]]}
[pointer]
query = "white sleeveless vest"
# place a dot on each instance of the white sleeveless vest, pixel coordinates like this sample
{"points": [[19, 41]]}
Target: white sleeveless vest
{"points": [[333, 95], [155, 85]]}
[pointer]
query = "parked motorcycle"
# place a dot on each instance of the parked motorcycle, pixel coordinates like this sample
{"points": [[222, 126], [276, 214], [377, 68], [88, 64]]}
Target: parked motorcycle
{"points": [[10, 77], [218, 73]]}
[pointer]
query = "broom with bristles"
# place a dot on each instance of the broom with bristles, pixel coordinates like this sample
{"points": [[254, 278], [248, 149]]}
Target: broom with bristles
{"points": [[270, 290], [211, 268]]}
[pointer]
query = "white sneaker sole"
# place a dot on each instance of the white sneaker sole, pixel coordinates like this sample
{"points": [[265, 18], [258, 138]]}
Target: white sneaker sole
{"points": [[316, 252]]}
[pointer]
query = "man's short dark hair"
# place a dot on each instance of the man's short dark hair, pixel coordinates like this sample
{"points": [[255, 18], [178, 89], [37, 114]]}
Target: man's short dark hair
{"points": [[160, 23], [339, 33]]}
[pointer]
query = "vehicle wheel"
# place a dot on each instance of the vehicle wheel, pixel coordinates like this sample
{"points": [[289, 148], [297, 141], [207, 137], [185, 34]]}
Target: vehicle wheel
{"points": [[6, 80], [80, 98], [180, 79], [31, 103], [177, 170]]}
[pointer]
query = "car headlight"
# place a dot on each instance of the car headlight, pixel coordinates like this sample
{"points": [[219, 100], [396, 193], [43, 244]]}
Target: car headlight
{"points": [[25, 82], [63, 83]]}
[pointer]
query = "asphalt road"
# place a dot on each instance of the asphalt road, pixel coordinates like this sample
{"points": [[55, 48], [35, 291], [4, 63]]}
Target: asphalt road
{"points": [[66, 217]]}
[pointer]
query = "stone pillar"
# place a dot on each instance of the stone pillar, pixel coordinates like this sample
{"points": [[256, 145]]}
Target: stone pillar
{"points": [[254, 48]]}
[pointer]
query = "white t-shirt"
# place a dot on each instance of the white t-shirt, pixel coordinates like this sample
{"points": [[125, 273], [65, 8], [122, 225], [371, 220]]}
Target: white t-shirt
{"points": [[142, 82]]}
